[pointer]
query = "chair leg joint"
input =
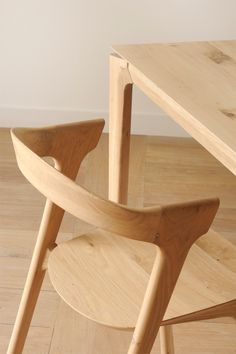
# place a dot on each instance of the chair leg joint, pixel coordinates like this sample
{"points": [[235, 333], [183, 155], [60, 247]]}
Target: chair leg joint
{"points": [[47, 254]]}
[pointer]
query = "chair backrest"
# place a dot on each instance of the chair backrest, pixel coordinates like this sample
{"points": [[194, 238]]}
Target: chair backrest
{"points": [[68, 144], [174, 228]]}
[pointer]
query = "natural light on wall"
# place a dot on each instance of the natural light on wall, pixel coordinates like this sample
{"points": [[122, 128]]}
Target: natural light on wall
{"points": [[54, 54]]}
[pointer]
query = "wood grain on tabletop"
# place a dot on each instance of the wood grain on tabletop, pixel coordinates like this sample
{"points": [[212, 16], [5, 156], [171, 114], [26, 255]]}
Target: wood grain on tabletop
{"points": [[195, 83]]}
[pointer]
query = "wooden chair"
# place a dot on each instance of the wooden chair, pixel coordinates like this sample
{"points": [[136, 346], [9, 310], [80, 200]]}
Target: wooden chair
{"points": [[122, 282]]}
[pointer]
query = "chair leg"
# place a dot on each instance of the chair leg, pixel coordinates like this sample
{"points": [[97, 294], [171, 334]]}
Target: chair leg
{"points": [[47, 234], [26, 308], [166, 340]]}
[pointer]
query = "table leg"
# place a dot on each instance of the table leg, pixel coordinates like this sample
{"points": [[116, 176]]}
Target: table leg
{"points": [[119, 144], [119, 127]]}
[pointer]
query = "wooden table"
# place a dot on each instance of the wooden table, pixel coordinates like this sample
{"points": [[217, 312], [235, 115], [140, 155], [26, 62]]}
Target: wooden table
{"points": [[194, 83]]}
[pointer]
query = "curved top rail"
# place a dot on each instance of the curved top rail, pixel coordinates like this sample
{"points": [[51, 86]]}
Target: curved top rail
{"points": [[68, 144]]}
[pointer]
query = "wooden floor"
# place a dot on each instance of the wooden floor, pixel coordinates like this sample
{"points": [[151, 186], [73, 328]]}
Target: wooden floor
{"points": [[163, 170]]}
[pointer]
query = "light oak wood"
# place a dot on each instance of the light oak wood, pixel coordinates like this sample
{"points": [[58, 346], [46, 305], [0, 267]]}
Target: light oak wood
{"points": [[172, 229], [120, 111], [9, 302], [156, 163], [35, 278], [179, 169], [67, 145], [38, 339], [220, 249], [82, 258], [166, 340], [195, 84]]}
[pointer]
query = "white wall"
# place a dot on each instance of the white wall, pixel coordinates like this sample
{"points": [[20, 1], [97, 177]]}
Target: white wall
{"points": [[54, 53]]}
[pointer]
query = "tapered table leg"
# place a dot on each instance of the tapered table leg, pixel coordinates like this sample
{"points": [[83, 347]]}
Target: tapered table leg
{"points": [[119, 127], [119, 144]]}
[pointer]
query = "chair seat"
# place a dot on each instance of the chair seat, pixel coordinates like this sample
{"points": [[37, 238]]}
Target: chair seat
{"points": [[104, 277]]}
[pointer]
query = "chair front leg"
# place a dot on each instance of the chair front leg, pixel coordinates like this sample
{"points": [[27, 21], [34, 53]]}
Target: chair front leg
{"points": [[50, 224]]}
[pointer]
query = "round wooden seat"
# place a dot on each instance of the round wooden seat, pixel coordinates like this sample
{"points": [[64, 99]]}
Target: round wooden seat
{"points": [[104, 277]]}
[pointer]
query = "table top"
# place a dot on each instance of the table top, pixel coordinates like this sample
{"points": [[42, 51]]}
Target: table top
{"points": [[195, 83]]}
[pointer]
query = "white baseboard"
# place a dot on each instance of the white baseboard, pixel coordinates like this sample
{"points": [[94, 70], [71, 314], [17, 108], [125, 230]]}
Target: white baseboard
{"points": [[142, 123]]}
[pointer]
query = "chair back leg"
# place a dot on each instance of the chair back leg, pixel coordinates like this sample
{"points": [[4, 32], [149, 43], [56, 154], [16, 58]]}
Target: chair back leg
{"points": [[166, 340]]}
